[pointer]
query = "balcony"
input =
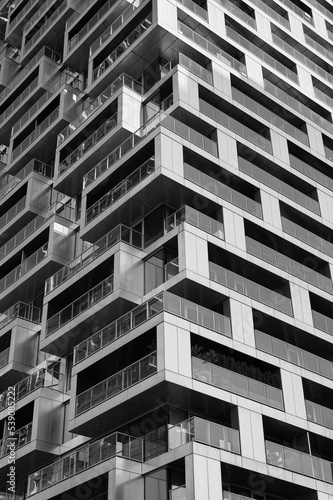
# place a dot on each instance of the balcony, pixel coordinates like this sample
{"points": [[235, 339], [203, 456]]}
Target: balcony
{"points": [[311, 172], [293, 354], [84, 4], [21, 15], [114, 445], [235, 126], [323, 97], [57, 208], [195, 68], [297, 461], [37, 15], [250, 288], [89, 107], [119, 382], [277, 185], [164, 301], [288, 265], [301, 13], [33, 166], [272, 118], [318, 414], [119, 233], [222, 191], [106, 33], [45, 51], [132, 180], [21, 437], [121, 48], [87, 300], [20, 310], [318, 47], [261, 54], [41, 378], [195, 218], [239, 13], [212, 48], [322, 322], [195, 8], [307, 237], [86, 145], [4, 357], [35, 134], [237, 383], [17, 102], [271, 13]]}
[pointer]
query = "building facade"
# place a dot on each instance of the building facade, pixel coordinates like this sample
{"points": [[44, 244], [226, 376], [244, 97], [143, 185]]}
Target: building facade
{"points": [[166, 249]]}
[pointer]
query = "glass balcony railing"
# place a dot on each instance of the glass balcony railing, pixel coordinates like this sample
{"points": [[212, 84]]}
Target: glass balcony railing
{"points": [[12, 212], [164, 301], [235, 126], [109, 31], [13, 23], [191, 135], [11, 496], [232, 7], [237, 383], [119, 382], [321, 9], [41, 378], [87, 300], [205, 432], [317, 46], [269, 116], [212, 48], [281, 187], [196, 218], [65, 78], [195, 8], [178, 493], [132, 180], [311, 172], [228, 495], [306, 61], [322, 322], [54, 16], [45, 51], [4, 357], [307, 237], [37, 15], [83, 5], [262, 55], [21, 437], [319, 414], [302, 109], [86, 145], [57, 208], [40, 129], [89, 107], [271, 12], [113, 445], [17, 102], [293, 354], [171, 269], [250, 288], [222, 190], [119, 233], [297, 10], [23, 268], [297, 461], [195, 68], [289, 265], [121, 48], [20, 310], [33, 166], [323, 97]]}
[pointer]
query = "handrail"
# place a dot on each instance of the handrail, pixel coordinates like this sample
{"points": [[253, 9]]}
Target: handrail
{"points": [[311, 172], [21, 437], [196, 218], [232, 7], [33, 166], [319, 414], [13, 211], [4, 358], [307, 236], [194, 7], [20, 310], [322, 322], [37, 14]]}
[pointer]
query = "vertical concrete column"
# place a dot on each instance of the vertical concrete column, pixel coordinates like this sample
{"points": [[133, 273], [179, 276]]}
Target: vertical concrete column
{"points": [[301, 304], [129, 110], [271, 209], [221, 78], [227, 147], [185, 89], [305, 80], [254, 70], [234, 231], [216, 18], [251, 434], [279, 146], [125, 485], [128, 272], [169, 153], [326, 205], [203, 478], [241, 323], [165, 13], [293, 394], [174, 349], [263, 26], [193, 254], [296, 26], [316, 140]]}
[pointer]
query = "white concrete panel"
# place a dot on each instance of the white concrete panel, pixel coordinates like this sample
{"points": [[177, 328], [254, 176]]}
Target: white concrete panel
{"points": [[227, 147], [171, 152], [165, 13], [280, 147], [184, 352], [301, 304], [271, 209], [221, 78], [254, 70], [203, 478], [263, 26], [319, 24], [305, 80], [326, 205], [251, 434], [195, 252], [186, 89], [296, 26], [216, 18], [234, 229], [242, 323], [315, 140], [293, 394]]}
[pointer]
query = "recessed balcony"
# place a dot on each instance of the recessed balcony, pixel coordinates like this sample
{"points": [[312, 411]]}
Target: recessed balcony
{"points": [[20, 310], [4, 357], [20, 438], [319, 414], [307, 236], [264, 7]]}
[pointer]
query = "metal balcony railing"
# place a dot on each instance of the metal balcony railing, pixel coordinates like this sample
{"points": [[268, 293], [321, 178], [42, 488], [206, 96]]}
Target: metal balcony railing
{"points": [[116, 444], [293, 354], [37, 15], [109, 30], [86, 145], [4, 357], [222, 190], [122, 47], [17, 102], [297, 461], [83, 5], [119, 382], [41, 378], [164, 301], [33, 166], [250, 288], [74, 309], [12, 212], [196, 218], [21, 437], [20, 310], [237, 383], [21, 15]]}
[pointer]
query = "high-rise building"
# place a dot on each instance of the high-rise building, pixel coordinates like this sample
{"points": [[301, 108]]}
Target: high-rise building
{"points": [[166, 249]]}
